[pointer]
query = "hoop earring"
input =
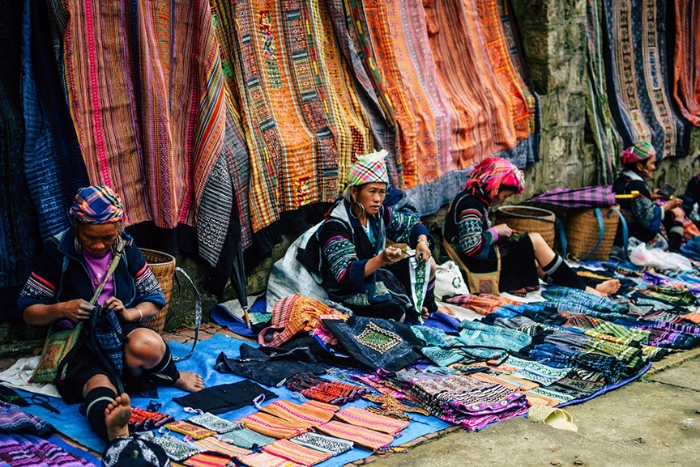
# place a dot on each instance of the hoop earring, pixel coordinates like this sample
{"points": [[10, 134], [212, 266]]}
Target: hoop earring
{"points": [[77, 245], [352, 211]]}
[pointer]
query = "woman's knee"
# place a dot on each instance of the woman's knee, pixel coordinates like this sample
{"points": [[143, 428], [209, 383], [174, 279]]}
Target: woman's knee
{"points": [[97, 381], [433, 268], [144, 345]]}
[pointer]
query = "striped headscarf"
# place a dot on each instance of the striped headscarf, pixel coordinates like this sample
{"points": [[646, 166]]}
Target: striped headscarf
{"points": [[638, 153], [369, 168], [97, 205], [495, 172]]}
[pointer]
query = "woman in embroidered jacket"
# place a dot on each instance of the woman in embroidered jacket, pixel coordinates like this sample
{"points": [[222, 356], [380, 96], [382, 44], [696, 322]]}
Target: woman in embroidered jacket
{"points": [[658, 226], [67, 274], [357, 267], [524, 258]]}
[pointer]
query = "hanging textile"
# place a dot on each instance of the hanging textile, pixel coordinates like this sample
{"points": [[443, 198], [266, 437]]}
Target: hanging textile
{"points": [[19, 239], [686, 60], [606, 137], [350, 27], [156, 129], [52, 184], [635, 54], [348, 118]]}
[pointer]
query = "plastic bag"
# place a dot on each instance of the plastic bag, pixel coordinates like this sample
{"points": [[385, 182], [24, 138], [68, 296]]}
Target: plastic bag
{"points": [[449, 281], [656, 258]]}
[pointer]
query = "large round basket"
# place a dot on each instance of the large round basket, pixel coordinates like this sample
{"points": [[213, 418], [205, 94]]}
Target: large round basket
{"points": [[583, 232], [162, 265], [528, 219]]}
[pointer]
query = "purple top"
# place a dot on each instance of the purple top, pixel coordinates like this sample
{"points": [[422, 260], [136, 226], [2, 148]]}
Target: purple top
{"points": [[97, 268]]}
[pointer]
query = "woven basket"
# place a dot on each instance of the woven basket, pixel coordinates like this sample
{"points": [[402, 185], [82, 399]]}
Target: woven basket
{"points": [[583, 232], [162, 265], [528, 219]]}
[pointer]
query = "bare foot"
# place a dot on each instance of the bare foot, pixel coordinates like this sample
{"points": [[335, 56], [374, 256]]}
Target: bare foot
{"points": [[190, 382], [117, 415], [608, 287]]}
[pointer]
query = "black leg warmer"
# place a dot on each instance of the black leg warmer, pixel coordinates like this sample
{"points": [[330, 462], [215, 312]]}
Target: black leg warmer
{"points": [[559, 273], [165, 372], [96, 401]]}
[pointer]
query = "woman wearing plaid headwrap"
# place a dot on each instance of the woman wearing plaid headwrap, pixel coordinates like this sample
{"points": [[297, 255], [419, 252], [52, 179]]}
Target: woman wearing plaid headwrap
{"points": [[468, 231], [67, 274], [648, 222], [357, 267]]}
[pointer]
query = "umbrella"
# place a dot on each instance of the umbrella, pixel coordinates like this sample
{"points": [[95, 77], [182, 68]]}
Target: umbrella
{"points": [[587, 197], [238, 281]]}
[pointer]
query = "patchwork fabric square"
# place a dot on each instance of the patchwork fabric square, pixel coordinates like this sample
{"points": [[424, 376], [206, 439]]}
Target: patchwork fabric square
{"points": [[377, 343]]}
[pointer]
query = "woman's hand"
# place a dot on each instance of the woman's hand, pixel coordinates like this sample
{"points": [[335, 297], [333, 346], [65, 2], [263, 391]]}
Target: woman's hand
{"points": [[422, 251], [124, 314], [76, 310], [503, 231], [390, 255], [672, 204]]}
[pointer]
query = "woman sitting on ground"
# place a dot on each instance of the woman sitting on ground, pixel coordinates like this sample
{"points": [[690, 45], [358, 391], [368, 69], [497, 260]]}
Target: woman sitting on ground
{"points": [[357, 268], [524, 258], [67, 274], [657, 226]]}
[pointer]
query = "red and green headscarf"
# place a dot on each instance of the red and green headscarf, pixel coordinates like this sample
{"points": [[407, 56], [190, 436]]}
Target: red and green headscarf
{"points": [[97, 205], [638, 153], [494, 173]]}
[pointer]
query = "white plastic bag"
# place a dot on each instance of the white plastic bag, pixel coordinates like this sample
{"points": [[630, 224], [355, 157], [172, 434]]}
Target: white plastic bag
{"points": [[449, 281], [657, 258]]}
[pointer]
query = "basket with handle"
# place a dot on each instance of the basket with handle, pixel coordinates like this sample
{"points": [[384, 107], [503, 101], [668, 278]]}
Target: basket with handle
{"points": [[590, 233], [528, 219], [162, 265]]}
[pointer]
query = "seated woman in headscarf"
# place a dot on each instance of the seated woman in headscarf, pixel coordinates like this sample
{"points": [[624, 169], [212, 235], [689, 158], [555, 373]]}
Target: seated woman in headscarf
{"points": [[657, 226], [524, 258], [68, 273], [357, 268]]}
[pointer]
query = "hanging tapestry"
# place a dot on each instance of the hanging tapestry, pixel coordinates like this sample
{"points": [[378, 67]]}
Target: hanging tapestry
{"points": [[686, 60], [637, 76], [154, 132]]}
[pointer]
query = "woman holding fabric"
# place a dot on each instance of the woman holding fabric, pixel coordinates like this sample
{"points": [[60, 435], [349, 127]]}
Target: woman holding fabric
{"points": [[523, 258], [71, 269], [357, 267], [658, 226]]}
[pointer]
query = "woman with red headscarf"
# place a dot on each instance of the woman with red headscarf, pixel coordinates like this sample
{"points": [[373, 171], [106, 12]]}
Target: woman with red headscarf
{"points": [[469, 232]]}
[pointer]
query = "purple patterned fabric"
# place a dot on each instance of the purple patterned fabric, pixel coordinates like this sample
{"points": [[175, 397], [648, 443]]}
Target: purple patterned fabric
{"points": [[588, 197], [19, 451]]}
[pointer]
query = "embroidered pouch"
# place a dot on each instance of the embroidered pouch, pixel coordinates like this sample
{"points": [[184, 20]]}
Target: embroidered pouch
{"points": [[175, 449], [333, 446], [369, 439], [188, 429], [212, 444], [212, 422], [263, 459], [245, 438], [371, 421], [56, 347], [272, 426], [296, 452], [207, 459]]}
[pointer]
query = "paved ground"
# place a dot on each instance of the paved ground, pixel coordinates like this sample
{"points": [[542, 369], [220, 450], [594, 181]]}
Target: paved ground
{"points": [[651, 422]]}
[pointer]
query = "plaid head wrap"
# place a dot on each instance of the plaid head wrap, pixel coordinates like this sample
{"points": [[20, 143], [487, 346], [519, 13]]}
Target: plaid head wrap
{"points": [[494, 172], [369, 168], [638, 153], [97, 205]]}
